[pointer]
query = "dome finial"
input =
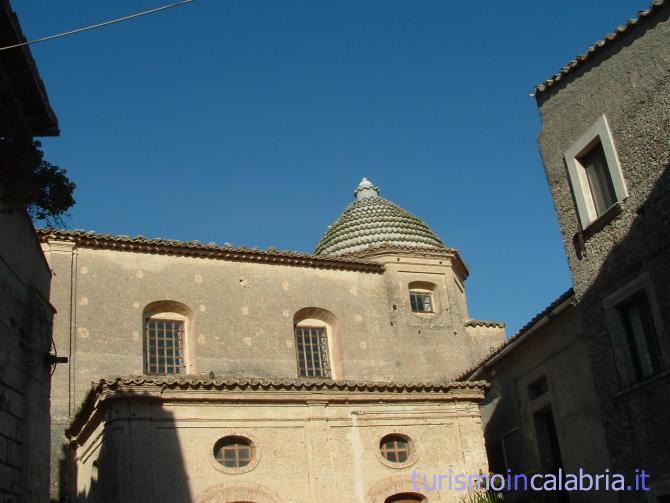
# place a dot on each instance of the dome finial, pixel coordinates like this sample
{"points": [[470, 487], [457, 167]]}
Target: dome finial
{"points": [[365, 190]]}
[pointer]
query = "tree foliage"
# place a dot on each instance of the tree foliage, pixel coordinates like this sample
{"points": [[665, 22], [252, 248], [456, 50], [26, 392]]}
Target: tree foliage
{"points": [[31, 183]]}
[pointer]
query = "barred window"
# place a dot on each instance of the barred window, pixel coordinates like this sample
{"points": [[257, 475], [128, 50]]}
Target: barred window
{"points": [[165, 346], [421, 302], [312, 350]]}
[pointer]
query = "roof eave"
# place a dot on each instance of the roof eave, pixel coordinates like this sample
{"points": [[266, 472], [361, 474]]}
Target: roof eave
{"points": [[140, 244], [156, 388], [568, 70], [550, 312], [27, 83]]}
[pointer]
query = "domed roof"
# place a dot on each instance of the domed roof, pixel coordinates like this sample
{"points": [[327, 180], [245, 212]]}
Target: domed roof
{"points": [[373, 222]]}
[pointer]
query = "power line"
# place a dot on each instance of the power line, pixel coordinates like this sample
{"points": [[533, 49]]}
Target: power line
{"points": [[99, 25]]}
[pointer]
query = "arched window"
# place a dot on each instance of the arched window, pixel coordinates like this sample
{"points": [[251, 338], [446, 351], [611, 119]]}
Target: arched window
{"points": [[166, 324], [317, 343], [423, 297]]}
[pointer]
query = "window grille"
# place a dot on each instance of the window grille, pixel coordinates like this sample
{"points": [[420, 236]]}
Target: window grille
{"points": [[164, 346], [312, 351]]}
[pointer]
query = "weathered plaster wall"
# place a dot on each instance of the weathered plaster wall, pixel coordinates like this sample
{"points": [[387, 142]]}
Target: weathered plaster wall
{"points": [[242, 319], [485, 337], [440, 343], [309, 449], [25, 340], [555, 350], [629, 82]]}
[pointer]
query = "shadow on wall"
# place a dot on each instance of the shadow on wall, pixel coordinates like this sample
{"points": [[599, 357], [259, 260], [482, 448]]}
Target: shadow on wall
{"points": [[634, 412], [633, 401], [128, 452]]}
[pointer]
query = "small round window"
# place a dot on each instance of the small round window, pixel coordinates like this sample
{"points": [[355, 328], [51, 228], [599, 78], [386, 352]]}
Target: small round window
{"points": [[234, 452], [395, 448]]}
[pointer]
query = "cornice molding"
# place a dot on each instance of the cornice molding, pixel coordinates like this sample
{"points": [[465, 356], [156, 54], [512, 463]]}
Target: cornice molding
{"points": [[159, 246]]}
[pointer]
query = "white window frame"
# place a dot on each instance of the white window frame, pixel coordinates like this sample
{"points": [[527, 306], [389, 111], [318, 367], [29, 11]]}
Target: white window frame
{"points": [[598, 132]]}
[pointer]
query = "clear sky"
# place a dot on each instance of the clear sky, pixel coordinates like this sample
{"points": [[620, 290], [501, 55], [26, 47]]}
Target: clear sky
{"points": [[251, 122]]}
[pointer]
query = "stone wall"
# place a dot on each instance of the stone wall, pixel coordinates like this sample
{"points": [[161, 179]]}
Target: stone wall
{"points": [[627, 80], [25, 339], [553, 349]]}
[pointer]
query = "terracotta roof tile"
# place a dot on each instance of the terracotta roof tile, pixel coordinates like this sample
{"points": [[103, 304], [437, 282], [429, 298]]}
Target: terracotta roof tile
{"points": [[286, 384], [140, 244], [188, 382], [484, 323]]}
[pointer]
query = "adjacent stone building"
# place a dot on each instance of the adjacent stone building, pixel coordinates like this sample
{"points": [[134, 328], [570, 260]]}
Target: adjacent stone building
{"points": [[356, 328], [25, 311], [585, 383], [604, 143], [541, 412]]}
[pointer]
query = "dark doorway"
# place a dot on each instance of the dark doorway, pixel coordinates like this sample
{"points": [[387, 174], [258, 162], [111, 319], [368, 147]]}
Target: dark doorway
{"points": [[547, 444]]}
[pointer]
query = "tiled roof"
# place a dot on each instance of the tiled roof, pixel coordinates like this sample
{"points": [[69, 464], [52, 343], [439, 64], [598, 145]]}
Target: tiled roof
{"points": [[484, 323], [140, 384], [376, 222], [525, 329], [162, 246], [24, 81], [251, 384], [607, 41]]}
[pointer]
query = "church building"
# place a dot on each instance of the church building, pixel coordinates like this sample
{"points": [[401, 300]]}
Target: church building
{"points": [[227, 374]]}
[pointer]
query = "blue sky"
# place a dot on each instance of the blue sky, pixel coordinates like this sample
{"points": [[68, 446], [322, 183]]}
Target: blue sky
{"points": [[251, 122]]}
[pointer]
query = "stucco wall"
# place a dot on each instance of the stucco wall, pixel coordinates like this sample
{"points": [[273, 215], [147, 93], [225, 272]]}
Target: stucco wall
{"points": [[309, 449], [556, 351], [629, 82], [25, 340], [243, 315]]}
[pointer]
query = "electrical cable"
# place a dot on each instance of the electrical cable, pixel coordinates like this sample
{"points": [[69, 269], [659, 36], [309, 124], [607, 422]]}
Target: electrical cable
{"points": [[98, 25]]}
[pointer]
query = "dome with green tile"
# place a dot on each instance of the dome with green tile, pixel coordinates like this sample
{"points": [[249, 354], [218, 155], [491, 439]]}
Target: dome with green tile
{"points": [[374, 222]]}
